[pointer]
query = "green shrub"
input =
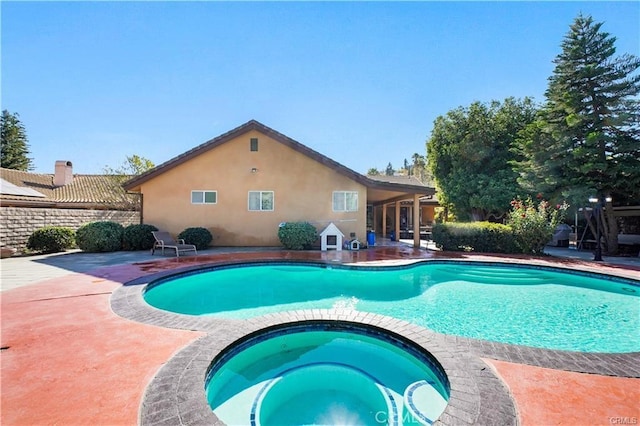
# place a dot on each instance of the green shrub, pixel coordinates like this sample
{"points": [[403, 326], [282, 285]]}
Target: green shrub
{"points": [[100, 236], [200, 237], [533, 225], [297, 235], [483, 237], [138, 237], [51, 239]]}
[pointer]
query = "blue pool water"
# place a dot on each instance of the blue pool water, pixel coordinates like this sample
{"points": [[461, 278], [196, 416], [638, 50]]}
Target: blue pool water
{"points": [[312, 374], [510, 304]]}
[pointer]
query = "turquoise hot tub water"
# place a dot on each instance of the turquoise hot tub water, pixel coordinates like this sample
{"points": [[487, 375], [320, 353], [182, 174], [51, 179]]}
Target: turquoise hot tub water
{"points": [[538, 307], [316, 375]]}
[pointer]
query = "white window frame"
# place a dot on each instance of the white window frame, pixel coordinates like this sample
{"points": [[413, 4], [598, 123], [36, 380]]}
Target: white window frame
{"points": [[344, 196], [204, 197], [261, 209]]}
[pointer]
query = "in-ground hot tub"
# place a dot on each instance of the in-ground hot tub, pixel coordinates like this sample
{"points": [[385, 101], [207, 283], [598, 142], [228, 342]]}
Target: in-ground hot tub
{"points": [[326, 373]]}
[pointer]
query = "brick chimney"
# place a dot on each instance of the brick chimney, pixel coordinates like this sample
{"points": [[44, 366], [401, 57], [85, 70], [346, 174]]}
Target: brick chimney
{"points": [[64, 173]]}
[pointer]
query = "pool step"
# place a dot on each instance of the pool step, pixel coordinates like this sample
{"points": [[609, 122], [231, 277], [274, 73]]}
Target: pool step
{"points": [[339, 391], [423, 403], [496, 276], [506, 279]]}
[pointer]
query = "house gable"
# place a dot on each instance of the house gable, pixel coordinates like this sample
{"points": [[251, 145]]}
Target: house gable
{"points": [[299, 188], [250, 126]]}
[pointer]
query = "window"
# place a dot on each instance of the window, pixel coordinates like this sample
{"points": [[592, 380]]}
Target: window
{"points": [[253, 144], [260, 200], [345, 201], [204, 197]]}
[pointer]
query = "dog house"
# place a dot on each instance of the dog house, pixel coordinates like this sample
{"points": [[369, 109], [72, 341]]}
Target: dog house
{"points": [[331, 238]]}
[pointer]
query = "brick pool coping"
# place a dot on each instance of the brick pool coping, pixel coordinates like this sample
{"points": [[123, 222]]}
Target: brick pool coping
{"points": [[176, 395]]}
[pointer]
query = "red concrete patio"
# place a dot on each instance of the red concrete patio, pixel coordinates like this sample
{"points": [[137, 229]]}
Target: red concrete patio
{"points": [[67, 359]]}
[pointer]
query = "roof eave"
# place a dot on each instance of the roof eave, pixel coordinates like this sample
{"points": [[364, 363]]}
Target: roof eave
{"points": [[26, 203], [412, 189]]}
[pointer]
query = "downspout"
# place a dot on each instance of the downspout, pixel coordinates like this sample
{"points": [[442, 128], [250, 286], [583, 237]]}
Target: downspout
{"points": [[141, 197], [375, 220]]}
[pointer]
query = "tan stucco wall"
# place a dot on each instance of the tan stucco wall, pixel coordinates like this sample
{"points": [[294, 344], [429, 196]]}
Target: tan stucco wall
{"points": [[302, 192], [428, 214]]}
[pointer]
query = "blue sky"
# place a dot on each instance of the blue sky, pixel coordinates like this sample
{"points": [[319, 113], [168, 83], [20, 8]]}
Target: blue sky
{"points": [[360, 82]]}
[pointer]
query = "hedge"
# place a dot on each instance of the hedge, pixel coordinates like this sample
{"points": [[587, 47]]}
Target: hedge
{"points": [[482, 237], [100, 236], [138, 237], [51, 239], [198, 236], [297, 235]]}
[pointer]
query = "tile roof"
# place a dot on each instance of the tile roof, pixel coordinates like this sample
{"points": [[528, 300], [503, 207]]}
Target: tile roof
{"points": [[98, 191]]}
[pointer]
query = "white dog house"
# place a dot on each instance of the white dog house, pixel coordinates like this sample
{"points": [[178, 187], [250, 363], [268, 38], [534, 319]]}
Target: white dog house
{"points": [[331, 238]]}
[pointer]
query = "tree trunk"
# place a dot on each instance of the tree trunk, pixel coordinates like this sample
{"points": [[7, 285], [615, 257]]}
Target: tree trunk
{"points": [[478, 215]]}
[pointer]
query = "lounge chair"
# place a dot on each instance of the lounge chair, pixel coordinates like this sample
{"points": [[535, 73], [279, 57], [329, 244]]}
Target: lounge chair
{"points": [[165, 240]]}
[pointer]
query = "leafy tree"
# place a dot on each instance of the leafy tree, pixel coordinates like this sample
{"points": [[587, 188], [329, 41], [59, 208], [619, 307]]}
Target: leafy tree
{"points": [[469, 154], [132, 166], [389, 171], [587, 136], [420, 169], [14, 144], [373, 172]]}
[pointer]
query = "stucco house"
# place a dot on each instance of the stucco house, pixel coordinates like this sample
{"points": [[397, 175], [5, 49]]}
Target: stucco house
{"points": [[242, 184]]}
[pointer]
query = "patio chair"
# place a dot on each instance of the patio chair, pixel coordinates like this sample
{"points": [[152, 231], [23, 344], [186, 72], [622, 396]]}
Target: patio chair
{"points": [[165, 240]]}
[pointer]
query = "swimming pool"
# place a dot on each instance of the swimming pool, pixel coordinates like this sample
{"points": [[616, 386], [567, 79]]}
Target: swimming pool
{"points": [[326, 374], [539, 307]]}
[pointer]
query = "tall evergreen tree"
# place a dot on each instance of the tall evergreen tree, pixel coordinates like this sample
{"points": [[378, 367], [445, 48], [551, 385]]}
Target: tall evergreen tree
{"points": [[14, 144], [389, 171], [407, 168], [587, 138], [588, 133]]}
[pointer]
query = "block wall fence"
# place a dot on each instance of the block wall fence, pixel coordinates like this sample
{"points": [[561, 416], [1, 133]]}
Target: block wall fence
{"points": [[18, 223]]}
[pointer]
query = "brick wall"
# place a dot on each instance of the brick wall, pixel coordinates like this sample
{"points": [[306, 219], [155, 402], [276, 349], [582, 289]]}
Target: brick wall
{"points": [[17, 223]]}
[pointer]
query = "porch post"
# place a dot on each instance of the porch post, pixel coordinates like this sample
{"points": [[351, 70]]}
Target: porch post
{"points": [[416, 220], [384, 220], [397, 224]]}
